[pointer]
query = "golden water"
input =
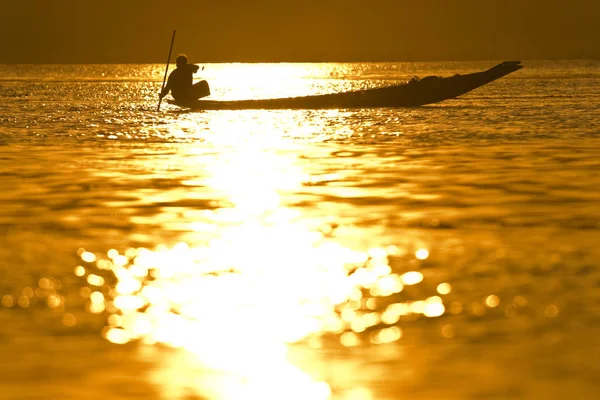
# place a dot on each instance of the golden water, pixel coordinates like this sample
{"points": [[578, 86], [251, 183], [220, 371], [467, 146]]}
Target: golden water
{"points": [[447, 251]]}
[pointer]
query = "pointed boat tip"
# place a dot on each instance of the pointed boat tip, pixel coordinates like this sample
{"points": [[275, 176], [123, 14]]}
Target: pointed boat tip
{"points": [[513, 63], [509, 66]]}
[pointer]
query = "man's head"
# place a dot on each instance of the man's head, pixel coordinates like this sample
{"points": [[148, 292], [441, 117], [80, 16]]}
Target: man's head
{"points": [[181, 60]]}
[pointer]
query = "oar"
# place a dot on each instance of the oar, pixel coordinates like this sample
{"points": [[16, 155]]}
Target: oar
{"points": [[166, 70]]}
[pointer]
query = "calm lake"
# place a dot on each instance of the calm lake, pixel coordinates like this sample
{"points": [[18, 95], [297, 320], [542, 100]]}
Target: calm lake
{"points": [[449, 251]]}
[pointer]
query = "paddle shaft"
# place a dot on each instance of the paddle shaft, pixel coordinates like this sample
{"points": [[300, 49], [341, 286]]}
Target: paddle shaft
{"points": [[166, 70]]}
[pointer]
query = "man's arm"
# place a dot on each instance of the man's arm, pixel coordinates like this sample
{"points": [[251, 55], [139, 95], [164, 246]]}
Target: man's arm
{"points": [[166, 89]]}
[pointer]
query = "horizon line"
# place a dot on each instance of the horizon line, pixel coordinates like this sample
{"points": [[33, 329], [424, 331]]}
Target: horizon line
{"points": [[311, 62]]}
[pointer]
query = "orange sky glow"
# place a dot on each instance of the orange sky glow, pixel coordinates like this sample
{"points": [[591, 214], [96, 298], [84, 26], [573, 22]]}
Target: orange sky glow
{"points": [[113, 31]]}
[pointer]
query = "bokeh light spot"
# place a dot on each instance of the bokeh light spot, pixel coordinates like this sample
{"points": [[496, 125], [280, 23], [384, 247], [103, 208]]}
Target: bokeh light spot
{"points": [[492, 301], [444, 288], [88, 257], [412, 278], [69, 320], [422, 254], [7, 301], [551, 311]]}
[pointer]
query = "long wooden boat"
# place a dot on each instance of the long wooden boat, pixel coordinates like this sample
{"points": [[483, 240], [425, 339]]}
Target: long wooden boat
{"points": [[417, 92]]}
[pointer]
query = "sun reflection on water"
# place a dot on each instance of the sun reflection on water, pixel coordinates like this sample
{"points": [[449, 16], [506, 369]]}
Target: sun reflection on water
{"points": [[258, 277], [252, 81], [238, 300]]}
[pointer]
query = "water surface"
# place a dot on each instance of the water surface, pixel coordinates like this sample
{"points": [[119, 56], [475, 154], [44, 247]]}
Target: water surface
{"points": [[444, 251]]}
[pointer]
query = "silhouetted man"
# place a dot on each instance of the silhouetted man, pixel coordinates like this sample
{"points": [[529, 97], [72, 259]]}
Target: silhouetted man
{"points": [[180, 82]]}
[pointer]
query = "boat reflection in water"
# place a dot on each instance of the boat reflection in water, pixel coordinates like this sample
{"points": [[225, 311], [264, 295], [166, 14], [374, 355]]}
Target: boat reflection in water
{"points": [[258, 277]]}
